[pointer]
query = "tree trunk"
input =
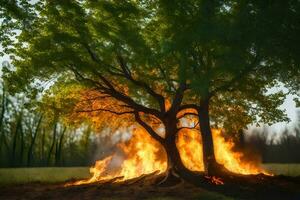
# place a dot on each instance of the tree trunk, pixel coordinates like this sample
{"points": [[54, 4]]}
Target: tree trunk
{"points": [[43, 148], [176, 167], [211, 167], [21, 146], [52, 145], [58, 149], [209, 159], [30, 150], [3, 102], [15, 140]]}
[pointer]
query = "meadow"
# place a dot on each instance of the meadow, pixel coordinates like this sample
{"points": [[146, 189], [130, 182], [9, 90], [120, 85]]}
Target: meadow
{"points": [[283, 169], [42, 174]]}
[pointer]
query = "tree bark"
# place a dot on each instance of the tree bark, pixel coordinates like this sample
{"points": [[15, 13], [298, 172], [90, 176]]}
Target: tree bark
{"points": [[43, 148], [21, 146], [3, 102], [15, 140], [58, 149], [175, 165], [211, 167], [173, 156], [52, 145], [209, 159], [30, 150]]}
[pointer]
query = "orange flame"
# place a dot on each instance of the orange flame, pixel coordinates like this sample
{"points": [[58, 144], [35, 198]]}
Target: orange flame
{"points": [[189, 145], [142, 155], [233, 160], [190, 148]]}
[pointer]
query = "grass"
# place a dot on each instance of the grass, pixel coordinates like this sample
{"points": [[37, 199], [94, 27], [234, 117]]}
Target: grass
{"points": [[42, 174], [61, 174], [283, 169]]}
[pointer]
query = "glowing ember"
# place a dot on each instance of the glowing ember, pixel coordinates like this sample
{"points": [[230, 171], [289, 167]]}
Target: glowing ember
{"points": [[215, 180]]}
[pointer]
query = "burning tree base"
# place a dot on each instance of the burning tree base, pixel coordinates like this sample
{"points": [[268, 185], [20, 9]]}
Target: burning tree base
{"points": [[142, 155]]}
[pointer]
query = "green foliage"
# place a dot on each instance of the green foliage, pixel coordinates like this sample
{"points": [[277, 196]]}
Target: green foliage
{"points": [[15, 15], [229, 52], [229, 55]]}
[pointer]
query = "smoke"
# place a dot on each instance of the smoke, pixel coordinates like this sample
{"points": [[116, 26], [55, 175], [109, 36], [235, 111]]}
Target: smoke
{"points": [[107, 145], [122, 135]]}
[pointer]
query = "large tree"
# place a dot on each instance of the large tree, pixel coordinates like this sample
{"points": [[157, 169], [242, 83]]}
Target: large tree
{"points": [[233, 53], [113, 48], [156, 59]]}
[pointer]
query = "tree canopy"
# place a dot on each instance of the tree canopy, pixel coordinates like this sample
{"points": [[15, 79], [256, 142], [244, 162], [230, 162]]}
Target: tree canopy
{"points": [[145, 49]]}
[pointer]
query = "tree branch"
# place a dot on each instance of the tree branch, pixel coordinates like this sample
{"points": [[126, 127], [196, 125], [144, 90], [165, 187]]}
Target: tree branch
{"points": [[148, 128], [186, 114], [120, 96], [128, 75], [178, 97], [105, 110], [191, 128], [242, 74], [111, 91]]}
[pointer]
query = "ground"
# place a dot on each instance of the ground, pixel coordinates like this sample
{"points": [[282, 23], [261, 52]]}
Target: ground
{"points": [[52, 185], [107, 192]]}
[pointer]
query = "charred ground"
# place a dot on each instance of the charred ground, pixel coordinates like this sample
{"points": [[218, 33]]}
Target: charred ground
{"points": [[145, 187]]}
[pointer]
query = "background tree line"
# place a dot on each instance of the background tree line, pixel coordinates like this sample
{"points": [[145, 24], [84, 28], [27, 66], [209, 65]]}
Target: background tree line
{"points": [[282, 147], [30, 138]]}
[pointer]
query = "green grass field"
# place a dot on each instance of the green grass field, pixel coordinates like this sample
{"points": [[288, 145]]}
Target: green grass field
{"points": [[60, 174], [283, 169], [44, 175]]}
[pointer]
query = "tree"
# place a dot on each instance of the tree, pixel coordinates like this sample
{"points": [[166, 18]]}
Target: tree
{"points": [[153, 60], [231, 60], [33, 139], [122, 68]]}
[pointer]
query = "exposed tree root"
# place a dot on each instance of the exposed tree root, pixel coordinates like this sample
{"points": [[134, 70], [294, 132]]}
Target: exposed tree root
{"points": [[145, 178], [170, 177]]}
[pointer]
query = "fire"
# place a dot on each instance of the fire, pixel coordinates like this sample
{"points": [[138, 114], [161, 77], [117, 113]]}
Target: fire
{"points": [[190, 147], [142, 155], [232, 160]]}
